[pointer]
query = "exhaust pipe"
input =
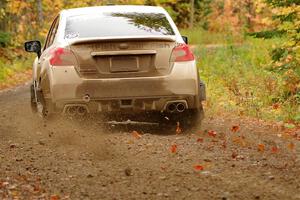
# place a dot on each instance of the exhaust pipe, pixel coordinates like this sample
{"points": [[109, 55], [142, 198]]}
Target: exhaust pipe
{"points": [[81, 110], [177, 106], [75, 109], [180, 107], [71, 110], [171, 107]]}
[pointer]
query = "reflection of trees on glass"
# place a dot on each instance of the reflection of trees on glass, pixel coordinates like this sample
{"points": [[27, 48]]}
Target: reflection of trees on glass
{"points": [[148, 21]]}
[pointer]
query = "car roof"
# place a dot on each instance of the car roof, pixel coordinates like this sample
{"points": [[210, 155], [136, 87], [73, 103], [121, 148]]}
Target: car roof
{"points": [[112, 8]]}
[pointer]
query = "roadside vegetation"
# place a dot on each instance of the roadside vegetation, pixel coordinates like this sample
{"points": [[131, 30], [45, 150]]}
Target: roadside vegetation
{"points": [[15, 67], [236, 71], [248, 51]]}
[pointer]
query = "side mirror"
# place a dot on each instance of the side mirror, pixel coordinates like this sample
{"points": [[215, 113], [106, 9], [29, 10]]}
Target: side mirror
{"points": [[33, 46], [185, 39]]}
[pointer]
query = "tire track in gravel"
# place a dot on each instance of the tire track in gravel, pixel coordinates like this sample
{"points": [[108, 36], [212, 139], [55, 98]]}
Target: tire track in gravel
{"points": [[81, 160]]}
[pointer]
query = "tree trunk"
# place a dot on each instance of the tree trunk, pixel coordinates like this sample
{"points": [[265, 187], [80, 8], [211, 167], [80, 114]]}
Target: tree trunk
{"points": [[3, 20], [40, 13], [192, 13], [39, 16]]}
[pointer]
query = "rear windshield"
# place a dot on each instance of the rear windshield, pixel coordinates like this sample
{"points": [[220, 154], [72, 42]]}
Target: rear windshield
{"points": [[117, 24]]}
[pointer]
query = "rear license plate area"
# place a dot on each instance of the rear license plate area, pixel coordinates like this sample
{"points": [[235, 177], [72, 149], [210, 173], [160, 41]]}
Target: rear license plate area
{"points": [[124, 64], [126, 103]]}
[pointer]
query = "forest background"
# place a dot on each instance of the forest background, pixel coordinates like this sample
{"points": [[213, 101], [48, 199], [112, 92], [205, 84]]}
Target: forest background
{"points": [[248, 51]]}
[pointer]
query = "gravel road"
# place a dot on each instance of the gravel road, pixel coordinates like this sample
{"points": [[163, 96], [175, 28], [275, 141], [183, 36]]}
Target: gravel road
{"points": [[229, 157]]}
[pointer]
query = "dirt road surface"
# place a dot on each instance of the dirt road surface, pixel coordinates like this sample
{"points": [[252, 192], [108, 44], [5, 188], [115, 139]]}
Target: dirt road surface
{"points": [[229, 157]]}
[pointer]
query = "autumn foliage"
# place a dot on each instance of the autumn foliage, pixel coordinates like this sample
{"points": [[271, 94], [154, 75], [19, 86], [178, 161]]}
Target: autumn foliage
{"points": [[225, 24]]}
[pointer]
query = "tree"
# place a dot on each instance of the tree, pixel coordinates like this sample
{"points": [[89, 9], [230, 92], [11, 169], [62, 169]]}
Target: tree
{"points": [[192, 13], [286, 57]]}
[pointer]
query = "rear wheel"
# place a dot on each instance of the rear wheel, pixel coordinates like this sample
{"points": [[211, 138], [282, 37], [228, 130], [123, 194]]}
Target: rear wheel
{"points": [[38, 104], [33, 102]]}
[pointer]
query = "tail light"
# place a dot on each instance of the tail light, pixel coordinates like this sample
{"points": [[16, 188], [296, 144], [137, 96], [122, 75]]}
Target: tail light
{"points": [[182, 53], [62, 57]]}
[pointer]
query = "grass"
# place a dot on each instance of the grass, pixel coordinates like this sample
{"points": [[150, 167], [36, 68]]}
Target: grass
{"points": [[12, 62], [235, 71], [199, 36], [9, 69]]}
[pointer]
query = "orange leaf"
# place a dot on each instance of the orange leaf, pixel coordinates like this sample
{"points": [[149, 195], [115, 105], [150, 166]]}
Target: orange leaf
{"points": [[198, 167], [276, 106], [261, 147], [173, 148], [54, 197], [274, 149], [291, 146], [212, 133], [178, 129], [234, 129], [36, 188], [234, 155], [200, 140], [136, 134]]}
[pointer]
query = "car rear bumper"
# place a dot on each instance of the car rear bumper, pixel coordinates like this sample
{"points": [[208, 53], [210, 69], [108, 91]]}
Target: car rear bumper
{"points": [[133, 94]]}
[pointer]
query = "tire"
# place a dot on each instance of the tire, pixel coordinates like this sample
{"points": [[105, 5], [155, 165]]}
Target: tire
{"points": [[33, 103], [39, 106]]}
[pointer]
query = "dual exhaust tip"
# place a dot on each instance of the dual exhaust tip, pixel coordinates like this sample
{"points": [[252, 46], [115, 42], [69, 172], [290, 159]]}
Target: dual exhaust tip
{"points": [[77, 109], [73, 110], [176, 107]]}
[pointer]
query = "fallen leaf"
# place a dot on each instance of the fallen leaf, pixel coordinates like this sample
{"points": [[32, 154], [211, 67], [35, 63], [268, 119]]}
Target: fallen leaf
{"points": [[276, 106], [178, 129], [234, 155], [200, 140], [212, 133], [36, 188], [130, 142], [136, 135], [261, 147], [234, 129], [198, 167], [274, 149], [291, 146], [128, 171], [163, 168], [54, 197], [173, 148]]}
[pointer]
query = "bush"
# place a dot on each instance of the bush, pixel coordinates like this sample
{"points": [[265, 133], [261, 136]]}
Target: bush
{"points": [[4, 39], [238, 78], [286, 56]]}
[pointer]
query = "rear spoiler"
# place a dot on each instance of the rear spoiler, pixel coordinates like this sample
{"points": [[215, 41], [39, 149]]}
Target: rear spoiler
{"points": [[127, 38]]}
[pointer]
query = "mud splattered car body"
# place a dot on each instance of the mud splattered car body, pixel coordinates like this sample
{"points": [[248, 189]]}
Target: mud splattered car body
{"points": [[115, 58]]}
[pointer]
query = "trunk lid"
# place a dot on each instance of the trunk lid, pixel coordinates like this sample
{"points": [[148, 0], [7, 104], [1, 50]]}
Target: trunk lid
{"points": [[123, 57]]}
